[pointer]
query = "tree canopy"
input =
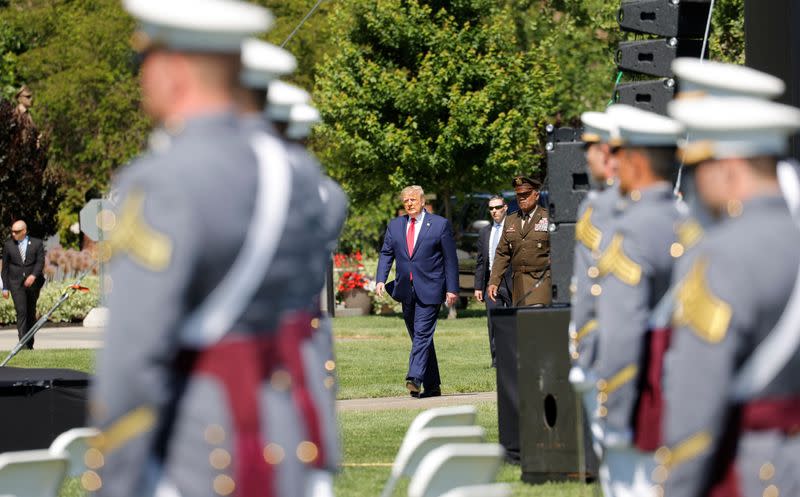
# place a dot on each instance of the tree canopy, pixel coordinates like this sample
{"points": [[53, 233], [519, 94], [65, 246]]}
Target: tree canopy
{"points": [[452, 94]]}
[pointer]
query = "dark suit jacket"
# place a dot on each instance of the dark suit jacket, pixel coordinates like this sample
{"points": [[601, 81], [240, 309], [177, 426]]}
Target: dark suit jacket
{"points": [[433, 263], [15, 270], [482, 266]]}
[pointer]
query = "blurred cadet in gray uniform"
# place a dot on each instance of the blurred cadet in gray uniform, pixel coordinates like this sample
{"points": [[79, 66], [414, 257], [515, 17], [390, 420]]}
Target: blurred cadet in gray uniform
{"points": [[732, 375], [699, 78], [262, 63], [199, 384], [696, 79], [594, 216], [282, 97], [634, 269]]}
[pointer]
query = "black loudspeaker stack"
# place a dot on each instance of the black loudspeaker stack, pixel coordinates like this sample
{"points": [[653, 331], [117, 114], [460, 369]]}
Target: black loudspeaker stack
{"points": [[567, 185], [679, 26]]}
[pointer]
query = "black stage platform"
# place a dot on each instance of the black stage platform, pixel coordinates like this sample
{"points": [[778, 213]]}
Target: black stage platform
{"points": [[36, 405]]}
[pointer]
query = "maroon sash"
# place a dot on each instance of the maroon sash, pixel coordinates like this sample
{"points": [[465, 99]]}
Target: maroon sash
{"points": [[650, 408], [782, 414], [241, 365]]}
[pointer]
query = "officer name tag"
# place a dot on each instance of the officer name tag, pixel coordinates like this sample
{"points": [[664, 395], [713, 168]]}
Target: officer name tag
{"points": [[542, 225]]}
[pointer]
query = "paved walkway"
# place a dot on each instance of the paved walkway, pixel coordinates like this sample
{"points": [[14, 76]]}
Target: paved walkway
{"points": [[57, 337], [407, 402]]}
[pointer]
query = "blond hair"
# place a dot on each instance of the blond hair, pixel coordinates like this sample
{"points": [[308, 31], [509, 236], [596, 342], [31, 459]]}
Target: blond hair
{"points": [[413, 189]]}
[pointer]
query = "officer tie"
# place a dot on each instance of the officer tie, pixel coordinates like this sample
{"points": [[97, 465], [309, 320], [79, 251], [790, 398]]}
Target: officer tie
{"points": [[410, 242], [22, 249], [493, 242]]}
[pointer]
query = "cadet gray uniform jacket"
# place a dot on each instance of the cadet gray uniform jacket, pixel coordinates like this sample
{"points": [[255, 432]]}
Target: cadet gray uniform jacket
{"points": [[729, 300], [635, 269], [184, 214], [318, 354], [594, 217]]}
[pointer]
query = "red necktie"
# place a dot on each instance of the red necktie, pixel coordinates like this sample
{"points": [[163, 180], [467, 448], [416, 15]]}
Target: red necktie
{"points": [[410, 242]]}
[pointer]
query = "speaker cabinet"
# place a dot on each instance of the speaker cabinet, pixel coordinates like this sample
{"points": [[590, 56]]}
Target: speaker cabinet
{"points": [[654, 57], [685, 19], [552, 430], [562, 250], [651, 96], [567, 180]]}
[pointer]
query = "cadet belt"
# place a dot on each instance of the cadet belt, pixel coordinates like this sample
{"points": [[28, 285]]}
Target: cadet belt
{"points": [[241, 364], [772, 414]]}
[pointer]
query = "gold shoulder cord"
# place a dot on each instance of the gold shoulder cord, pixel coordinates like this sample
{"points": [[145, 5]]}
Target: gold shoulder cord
{"points": [[614, 261], [133, 236], [697, 308]]}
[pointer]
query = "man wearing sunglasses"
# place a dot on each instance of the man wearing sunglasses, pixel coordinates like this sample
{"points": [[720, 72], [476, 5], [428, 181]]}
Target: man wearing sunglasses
{"points": [[23, 275], [524, 245], [488, 239]]}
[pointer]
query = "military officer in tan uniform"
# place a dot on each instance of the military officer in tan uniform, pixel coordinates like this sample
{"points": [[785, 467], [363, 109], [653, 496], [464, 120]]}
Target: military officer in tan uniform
{"points": [[732, 373], [525, 244]]}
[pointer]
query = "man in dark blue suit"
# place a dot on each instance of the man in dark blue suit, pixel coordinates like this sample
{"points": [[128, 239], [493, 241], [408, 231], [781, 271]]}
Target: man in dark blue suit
{"points": [[488, 239], [422, 244]]}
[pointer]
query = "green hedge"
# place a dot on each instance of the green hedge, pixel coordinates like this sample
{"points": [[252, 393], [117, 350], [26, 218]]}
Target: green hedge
{"points": [[74, 309]]}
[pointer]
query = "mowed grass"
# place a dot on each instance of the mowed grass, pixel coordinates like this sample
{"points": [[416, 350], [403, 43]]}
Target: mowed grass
{"points": [[371, 440], [372, 355]]}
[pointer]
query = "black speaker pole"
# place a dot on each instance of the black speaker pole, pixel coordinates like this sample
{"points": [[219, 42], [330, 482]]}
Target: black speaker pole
{"points": [[772, 45]]}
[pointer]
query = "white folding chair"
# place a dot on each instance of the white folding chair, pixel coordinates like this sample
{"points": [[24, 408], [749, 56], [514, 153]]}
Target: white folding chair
{"points": [[490, 490], [456, 465], [31, 473], [422, 443], [439, 417], [73, 445]]}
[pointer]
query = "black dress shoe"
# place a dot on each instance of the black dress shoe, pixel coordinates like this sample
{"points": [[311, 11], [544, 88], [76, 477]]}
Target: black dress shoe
{"points": [[431, 392], [413, 388]]}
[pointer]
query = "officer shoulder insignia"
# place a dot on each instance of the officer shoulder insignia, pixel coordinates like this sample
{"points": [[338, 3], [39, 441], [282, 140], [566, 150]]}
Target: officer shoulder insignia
{"points": [[689, 233], [133, 236], [614, 261], [586, 232], [699, 309]]}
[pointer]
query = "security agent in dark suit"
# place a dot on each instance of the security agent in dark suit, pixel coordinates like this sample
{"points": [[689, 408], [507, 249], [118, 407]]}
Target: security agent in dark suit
{"points": [[23, 275], [427, 275], [488, 239]]}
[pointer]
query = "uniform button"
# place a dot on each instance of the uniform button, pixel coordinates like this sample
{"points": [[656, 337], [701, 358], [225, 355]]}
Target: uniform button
{"points": [[215, 434], [93, 459], [593, 272], [596, 290], [91, 481], [766, 472], [307, 452], [224, 485], [660, 474], [771, 491], [219, 459], [274, 454], [330, 365], [676, 250]]}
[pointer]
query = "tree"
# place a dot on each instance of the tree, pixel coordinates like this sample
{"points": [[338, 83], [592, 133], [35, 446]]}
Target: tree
{"points": [[30, 189], [433, 93]]}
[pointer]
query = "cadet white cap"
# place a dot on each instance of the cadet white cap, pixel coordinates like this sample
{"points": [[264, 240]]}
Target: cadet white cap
{"points": [[697, 78], [196, 25], [281, 97], [264, 62], [640, 128], [301, 119], [740, 127], [598, 127]]}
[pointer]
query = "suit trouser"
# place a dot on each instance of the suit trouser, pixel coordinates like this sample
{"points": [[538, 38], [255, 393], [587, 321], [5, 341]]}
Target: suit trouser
{"points": [[500, 303], [25, 305], [421, 323]]}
